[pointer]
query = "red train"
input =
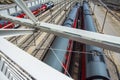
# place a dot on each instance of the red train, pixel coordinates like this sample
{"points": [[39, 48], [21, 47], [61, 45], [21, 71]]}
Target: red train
{"points": [[34, 9]]}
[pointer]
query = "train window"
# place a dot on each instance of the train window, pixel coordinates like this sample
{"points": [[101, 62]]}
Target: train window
{"points": [[21, 12], [15, 14], [102, 58], [3, 22], [70, 19], [96, 54], [89, 57]]}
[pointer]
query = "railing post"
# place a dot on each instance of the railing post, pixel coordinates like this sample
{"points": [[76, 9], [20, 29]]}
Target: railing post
{"points": [[104, 21], [8, 11]]}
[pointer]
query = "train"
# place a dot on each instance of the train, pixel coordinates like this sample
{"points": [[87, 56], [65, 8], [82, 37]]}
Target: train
{"points": [[57, 58], [36, 10], [96, 68]]}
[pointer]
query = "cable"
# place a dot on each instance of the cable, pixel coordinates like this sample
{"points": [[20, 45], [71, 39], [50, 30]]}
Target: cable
{"points": [[77, 52], [60, 62]]}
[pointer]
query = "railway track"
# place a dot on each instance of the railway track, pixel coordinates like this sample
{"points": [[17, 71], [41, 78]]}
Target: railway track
{"points": [[6, 1], [117, 14], [75, 65], [41, 49], [41, 17], [41, 39]]}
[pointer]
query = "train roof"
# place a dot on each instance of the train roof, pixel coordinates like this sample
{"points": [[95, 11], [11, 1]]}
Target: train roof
{"points": [[34, 7], [3, 21]]}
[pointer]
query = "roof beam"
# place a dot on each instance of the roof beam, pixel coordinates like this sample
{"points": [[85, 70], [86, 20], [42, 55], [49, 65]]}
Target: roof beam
{"points": [[21, 21], [92, 38], [15, 32]]}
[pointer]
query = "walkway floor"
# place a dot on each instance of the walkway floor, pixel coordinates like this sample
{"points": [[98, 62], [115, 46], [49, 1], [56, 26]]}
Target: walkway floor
{"points": [[112, 27]]}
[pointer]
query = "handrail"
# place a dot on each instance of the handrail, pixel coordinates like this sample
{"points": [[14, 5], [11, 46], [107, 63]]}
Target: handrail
{"points": [[109, 10], [12, 70]]}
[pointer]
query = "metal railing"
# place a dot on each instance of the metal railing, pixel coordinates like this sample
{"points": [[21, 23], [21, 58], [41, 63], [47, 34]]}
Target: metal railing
{"points": [[108, 10], [11, 70]]}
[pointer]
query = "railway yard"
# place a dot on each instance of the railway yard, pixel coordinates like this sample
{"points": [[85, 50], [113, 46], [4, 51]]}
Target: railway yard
{"points": [[38, 43], [47, 53]]}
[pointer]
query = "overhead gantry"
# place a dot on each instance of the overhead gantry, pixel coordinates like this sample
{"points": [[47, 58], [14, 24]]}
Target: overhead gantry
{"points": [[87, 37]]}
